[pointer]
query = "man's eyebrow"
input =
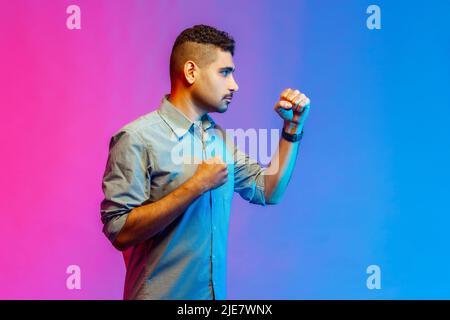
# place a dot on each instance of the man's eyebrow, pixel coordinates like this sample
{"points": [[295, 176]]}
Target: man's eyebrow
{"points": [[230, 69]]}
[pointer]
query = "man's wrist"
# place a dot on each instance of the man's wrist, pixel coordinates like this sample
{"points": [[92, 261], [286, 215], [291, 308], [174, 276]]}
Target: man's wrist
{"points": [[292, 127]]}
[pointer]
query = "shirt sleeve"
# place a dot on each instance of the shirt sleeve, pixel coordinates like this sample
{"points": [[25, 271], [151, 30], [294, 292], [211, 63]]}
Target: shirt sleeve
{"points": [[248, 178], [126, 181]]}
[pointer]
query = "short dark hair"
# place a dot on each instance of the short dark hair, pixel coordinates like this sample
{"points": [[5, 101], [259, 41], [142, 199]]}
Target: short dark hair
{"points": [[196, 43]]}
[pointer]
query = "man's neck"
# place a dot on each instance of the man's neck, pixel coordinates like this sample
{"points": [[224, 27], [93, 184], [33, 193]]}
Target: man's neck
{"points": [[183, 103]]}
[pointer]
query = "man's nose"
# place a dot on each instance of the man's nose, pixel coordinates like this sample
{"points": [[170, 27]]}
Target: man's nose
{"points": [[234, 86]]}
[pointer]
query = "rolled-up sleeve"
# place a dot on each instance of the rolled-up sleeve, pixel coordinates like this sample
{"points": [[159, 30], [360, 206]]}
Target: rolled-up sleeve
{"points": [[248, 178], [126, 181]]}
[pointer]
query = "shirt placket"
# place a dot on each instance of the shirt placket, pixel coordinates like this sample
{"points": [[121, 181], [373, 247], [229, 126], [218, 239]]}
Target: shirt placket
{"points": [[204, 138]]}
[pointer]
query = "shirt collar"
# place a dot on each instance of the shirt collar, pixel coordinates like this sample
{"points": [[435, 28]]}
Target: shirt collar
{"points": [[178, 121]]}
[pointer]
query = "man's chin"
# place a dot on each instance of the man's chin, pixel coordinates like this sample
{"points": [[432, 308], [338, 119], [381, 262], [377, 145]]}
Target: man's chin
{"points": [[223, 107]]}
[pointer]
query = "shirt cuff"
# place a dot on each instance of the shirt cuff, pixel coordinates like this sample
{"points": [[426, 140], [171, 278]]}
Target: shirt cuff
{"points": [[112, 228]]}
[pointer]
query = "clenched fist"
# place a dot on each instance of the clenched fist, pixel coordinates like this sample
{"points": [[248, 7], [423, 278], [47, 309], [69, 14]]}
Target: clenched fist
{"points": [[211, 173], [293, 107]]}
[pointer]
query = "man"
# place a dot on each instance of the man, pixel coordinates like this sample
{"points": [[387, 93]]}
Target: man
{"points": [[170, 218]]}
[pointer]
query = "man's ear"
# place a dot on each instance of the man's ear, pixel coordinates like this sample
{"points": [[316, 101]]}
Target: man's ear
{"points": [[190, 71]]}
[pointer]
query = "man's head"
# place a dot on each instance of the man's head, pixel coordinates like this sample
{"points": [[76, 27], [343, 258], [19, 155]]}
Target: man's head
{"points": [[202, 64]]}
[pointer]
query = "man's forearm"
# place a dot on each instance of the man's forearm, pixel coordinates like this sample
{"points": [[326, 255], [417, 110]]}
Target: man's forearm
{"points": [[281, 166], [145, 221]]}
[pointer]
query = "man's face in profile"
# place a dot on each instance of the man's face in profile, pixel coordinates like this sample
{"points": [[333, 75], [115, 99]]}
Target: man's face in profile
{"points": [[215, 85]]}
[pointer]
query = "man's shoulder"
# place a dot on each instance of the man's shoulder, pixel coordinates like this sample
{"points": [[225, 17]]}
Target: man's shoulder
{"points": [[142, 126]]}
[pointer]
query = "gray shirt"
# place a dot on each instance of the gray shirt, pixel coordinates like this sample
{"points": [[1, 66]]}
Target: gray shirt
{"points": [[149, 158]]}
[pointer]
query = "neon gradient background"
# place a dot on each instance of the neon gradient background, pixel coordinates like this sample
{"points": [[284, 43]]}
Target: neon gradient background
{"points": [[372, 181]]}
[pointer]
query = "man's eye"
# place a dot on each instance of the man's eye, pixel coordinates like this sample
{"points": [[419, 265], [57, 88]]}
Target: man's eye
{"points": [[224, 72]]}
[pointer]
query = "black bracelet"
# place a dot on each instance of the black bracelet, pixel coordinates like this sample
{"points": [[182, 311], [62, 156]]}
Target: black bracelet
{"points": [[292, 137]]}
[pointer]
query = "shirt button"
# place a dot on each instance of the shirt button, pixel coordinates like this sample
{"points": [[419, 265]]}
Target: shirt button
{"points": [[214, 227]]}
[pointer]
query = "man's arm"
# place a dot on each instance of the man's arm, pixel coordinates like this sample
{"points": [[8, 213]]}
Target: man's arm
{"points": [[145, 221], [293, 108]]}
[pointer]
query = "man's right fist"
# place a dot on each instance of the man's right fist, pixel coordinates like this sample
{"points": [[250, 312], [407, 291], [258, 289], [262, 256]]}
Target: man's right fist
{"points": [[211, 173]]}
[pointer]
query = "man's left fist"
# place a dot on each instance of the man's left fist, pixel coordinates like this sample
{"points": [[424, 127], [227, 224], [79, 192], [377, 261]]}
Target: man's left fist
{"points": [[293, 107]]}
